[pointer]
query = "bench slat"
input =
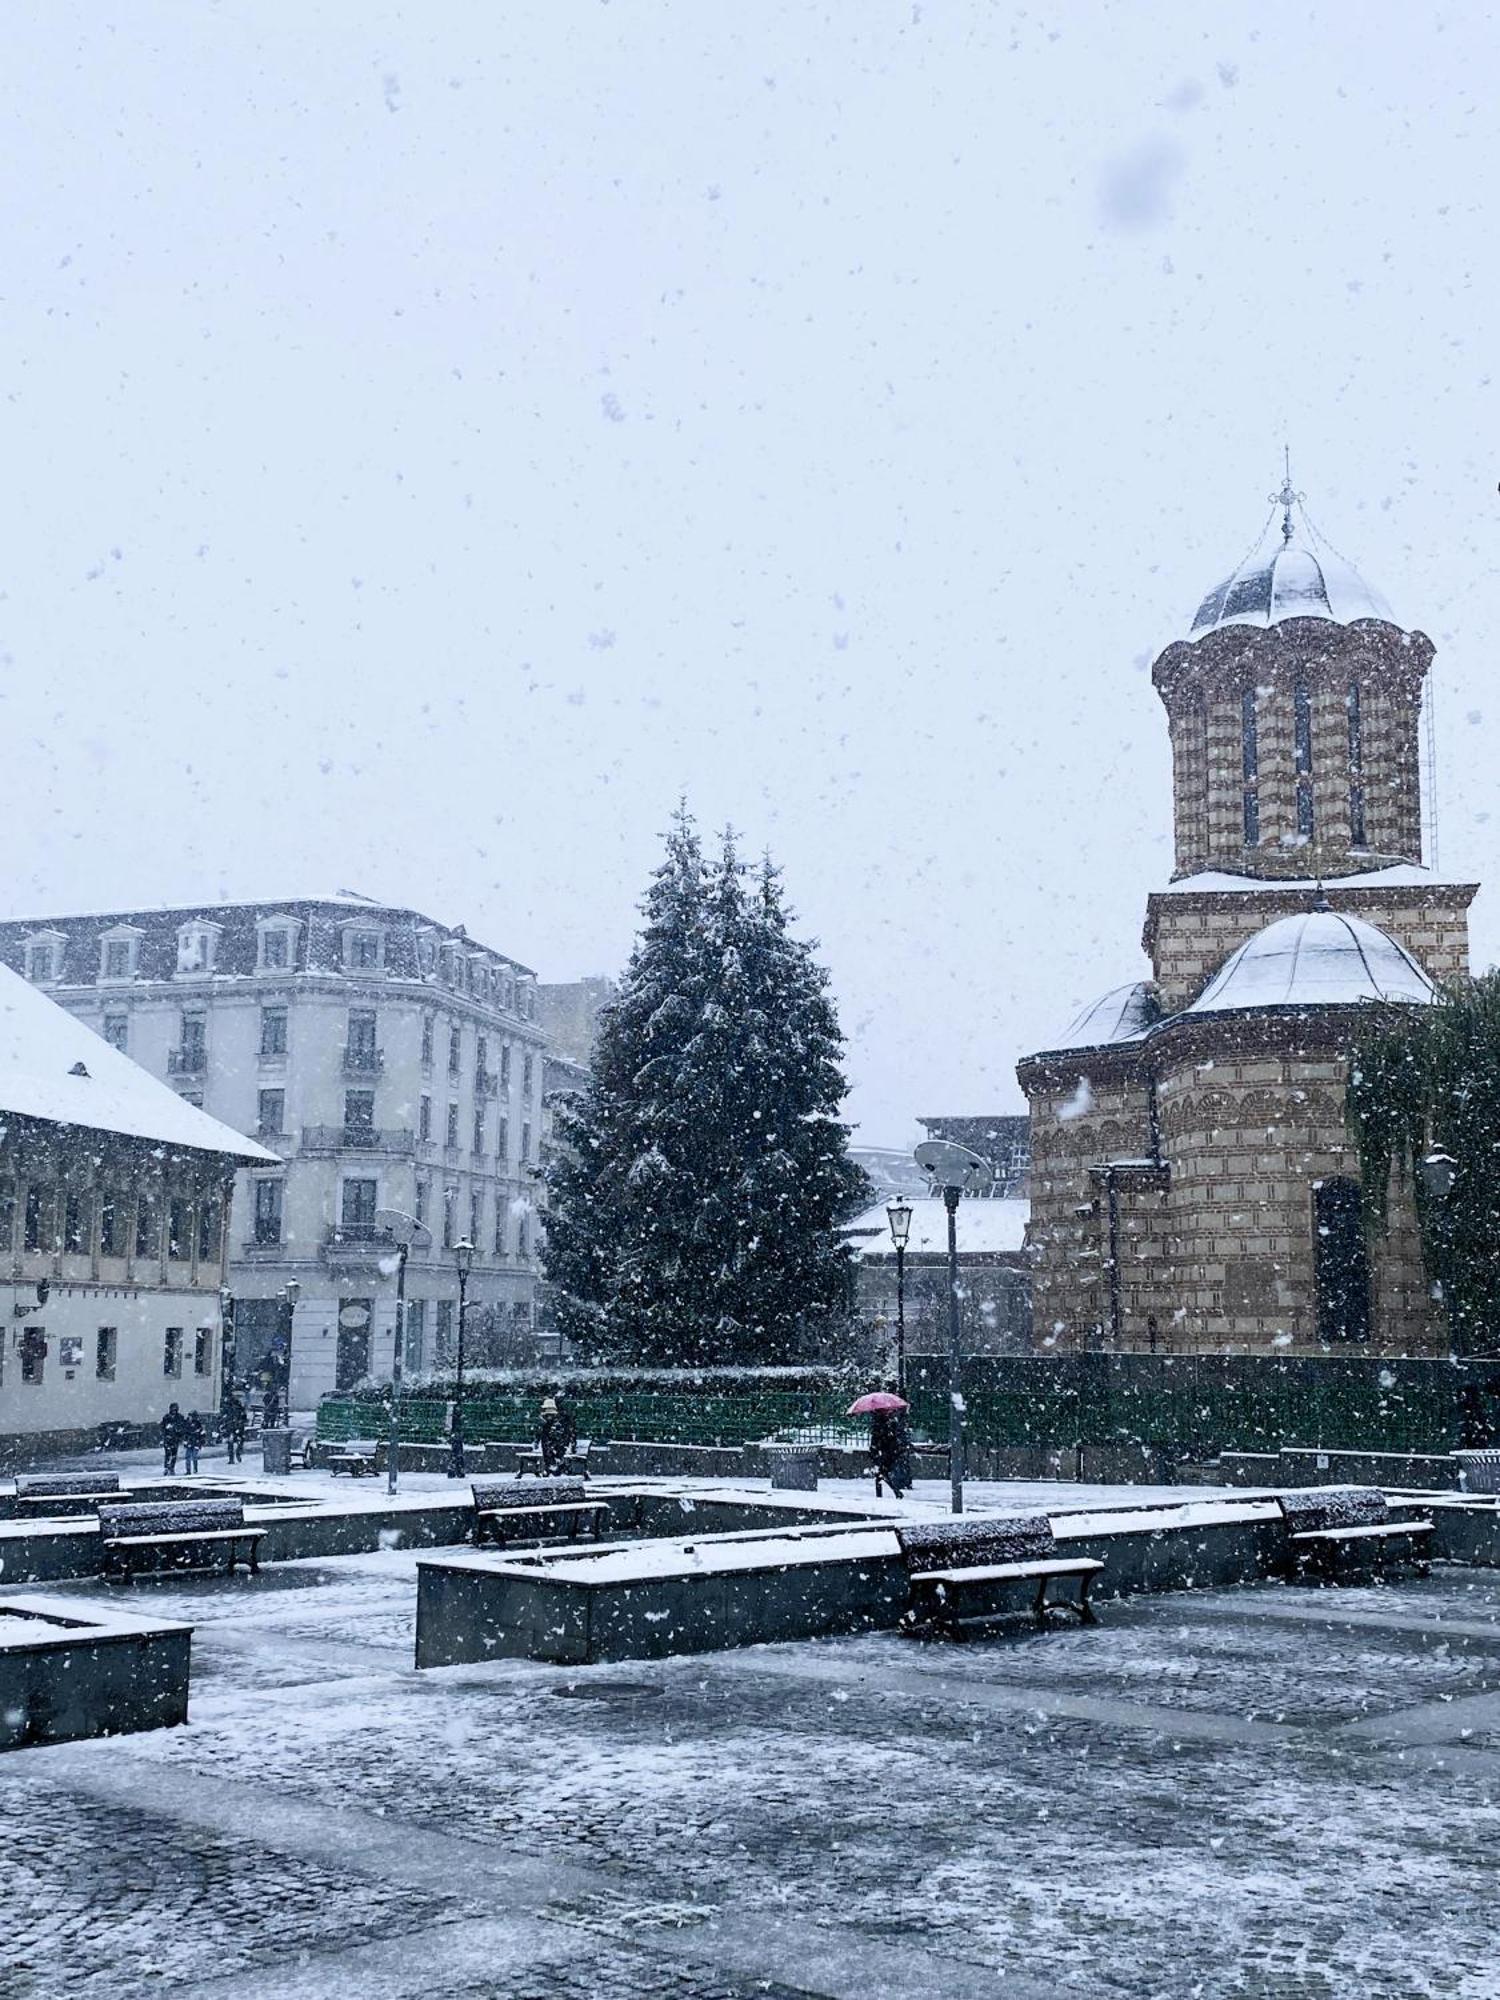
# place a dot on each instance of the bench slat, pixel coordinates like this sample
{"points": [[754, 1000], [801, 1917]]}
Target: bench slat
{"points": [[193, 1535], [1376, 1531], [1001, 1572]]}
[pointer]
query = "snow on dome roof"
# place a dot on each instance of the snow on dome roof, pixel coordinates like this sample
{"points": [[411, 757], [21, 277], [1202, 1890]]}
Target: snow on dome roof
{"points": [[55, 1067], [1290, 573], [1318, 958], [1122, 1015]]}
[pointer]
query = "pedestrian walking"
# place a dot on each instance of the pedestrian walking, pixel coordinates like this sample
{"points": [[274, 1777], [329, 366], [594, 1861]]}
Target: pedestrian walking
{"points": [[236, 1423], [552, 1439], [192, 1440], [171, 1439], [890, 1449]]}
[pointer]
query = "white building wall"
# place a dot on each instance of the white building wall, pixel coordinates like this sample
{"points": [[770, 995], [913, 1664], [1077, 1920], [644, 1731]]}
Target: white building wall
{"points": [[73, 1397]]}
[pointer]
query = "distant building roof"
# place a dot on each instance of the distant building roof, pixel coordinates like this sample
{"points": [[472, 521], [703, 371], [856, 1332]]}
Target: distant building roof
{"points": [[988, 1226], [53, 1067]]}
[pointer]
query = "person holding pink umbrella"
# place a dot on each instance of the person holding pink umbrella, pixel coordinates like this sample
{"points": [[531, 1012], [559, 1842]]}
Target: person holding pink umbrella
{"points": [[890, 1439]]}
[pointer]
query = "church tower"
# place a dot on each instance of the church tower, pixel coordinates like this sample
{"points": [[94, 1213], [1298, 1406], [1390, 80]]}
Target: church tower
{"points": [[1193, 1183]]}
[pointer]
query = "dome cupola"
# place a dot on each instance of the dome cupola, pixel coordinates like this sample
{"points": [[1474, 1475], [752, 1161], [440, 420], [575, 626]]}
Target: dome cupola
{"points": [[1318, 958]]}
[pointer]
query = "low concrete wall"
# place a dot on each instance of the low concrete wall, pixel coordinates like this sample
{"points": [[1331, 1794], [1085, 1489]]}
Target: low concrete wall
{"points": [[1309, 1465], [1466, 1531], [88, 1673]]}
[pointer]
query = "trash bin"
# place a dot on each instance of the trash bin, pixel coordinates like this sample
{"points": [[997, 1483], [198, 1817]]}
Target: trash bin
{"points": [[275, 1452], [794, 1468]]}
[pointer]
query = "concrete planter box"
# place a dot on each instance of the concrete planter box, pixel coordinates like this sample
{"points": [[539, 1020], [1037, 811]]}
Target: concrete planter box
{"points": [[632, 1602], [69, 1670]]}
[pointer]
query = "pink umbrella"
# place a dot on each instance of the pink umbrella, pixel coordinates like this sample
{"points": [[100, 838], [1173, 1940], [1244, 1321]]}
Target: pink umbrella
{"points": [[878, 1399]]}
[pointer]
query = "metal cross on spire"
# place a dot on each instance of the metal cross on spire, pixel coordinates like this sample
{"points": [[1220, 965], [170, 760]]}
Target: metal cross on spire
{"points": [[1288, 497]]}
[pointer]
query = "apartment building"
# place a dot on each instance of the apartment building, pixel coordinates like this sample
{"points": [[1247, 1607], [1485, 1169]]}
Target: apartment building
{"points": [[386, 1061]]}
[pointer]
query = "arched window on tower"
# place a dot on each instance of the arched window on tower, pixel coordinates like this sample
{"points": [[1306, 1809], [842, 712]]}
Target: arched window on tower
{"points": [[1302, 757], [1341, 1265], [1250, 765], [1356, 768]]}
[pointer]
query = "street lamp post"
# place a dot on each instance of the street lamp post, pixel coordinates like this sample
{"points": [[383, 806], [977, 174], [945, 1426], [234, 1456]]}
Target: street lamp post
{"points": [[898, 1215], [228, 1354], [955, 1171], [406, 1233], [463, 1257], [283, 1386]]}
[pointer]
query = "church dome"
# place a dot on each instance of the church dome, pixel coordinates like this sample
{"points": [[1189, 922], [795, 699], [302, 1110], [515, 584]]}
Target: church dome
{"points": [[1318, 958], [1122, 1015], [1291, 573]]}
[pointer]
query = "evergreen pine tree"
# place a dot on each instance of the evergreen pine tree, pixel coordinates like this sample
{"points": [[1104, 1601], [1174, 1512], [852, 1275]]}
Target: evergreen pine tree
{"points": [[697, 1221]]}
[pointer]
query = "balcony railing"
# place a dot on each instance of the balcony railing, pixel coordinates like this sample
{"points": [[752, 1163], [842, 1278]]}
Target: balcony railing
{"points": [[362, 1061], [486, 1083], [356, 1139], [186, 1062], [361, 1243]]}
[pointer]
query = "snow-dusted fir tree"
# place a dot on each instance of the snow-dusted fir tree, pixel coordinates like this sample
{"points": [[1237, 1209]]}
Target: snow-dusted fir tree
{"points": [[696, 1220]]}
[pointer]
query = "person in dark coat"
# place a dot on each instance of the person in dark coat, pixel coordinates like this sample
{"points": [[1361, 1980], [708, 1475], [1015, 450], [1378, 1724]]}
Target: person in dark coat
{"points": [[553, 1440], [192, 1440], [171, 1438], [236, 1422], [890, 1448]]}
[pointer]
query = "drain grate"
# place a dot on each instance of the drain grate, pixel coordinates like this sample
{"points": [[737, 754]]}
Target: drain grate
{"points": [[609, 1690]]}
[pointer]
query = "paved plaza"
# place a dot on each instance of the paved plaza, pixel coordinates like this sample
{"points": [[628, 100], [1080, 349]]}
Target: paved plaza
{"points": [[1267, 1791]]}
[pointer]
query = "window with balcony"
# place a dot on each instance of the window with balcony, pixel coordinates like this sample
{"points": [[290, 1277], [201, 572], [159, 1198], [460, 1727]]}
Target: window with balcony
{"points": [[478, 1130], [359, 1114], [450, 1209], [499, 1225], [117, 1031], [451, 1133], [455, 1051], [106, 1353], [190, 1057], [526, 1143], [273, 1031], [502, 1140], [270, 1113], [424, 1118], [268, 1196], [505, 1065], [210, 1229], [171, 1353], [357, 1208], [360, 1051], [427, 1034], [147, 1228], [528, 1074], [476, 1214]]}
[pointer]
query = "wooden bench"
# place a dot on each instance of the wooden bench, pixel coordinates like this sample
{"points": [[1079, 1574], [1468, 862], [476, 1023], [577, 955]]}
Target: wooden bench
{"points": [[357, 1457], [74, 1492], [1336, 1530], [529, 1459], [565, 1512], [950, 1563], [151, 1536]]}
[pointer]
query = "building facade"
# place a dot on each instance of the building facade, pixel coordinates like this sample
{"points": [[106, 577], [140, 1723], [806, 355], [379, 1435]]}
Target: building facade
{"points": [[115, 1226], [1193, 1182], [386, 1060]]}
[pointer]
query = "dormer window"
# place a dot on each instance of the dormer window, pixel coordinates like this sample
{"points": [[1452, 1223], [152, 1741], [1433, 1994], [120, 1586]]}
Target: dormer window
{"points": [[197, 948], [276, 944], [363, 950], [119, 952], [44, 957]]}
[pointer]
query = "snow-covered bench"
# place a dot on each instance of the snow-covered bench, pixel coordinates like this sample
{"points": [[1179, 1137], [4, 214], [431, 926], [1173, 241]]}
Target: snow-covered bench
{"points": [[175, 1534], [1336, 1530], [950, 1564], [356, 1456], [575, 1459], [562, 1512], [36, 1492]]}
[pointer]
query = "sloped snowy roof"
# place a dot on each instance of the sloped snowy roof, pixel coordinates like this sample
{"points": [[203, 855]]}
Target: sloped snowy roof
{"points": [[1122, 1015], [986, 1224], [53, 1066], [1285, 577], [1318, 958], [1403, 875]]}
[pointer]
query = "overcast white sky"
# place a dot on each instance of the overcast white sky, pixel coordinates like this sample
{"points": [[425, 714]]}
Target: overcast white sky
{"points": [[436, 436]]}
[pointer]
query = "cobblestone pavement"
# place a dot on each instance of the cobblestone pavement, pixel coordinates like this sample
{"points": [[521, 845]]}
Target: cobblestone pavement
{"points": [[1271, 1794]]}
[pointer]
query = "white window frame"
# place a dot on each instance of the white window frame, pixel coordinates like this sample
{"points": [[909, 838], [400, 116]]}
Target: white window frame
{"points": [[353, 931], [284, 927], [53, 943], [130, 937], [198, 948]]}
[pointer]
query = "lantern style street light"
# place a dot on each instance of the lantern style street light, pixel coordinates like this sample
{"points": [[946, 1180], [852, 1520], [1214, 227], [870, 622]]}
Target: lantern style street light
{"points": [[407, 1234], [898, 1215], [955, 1171], [463, 1258]]}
